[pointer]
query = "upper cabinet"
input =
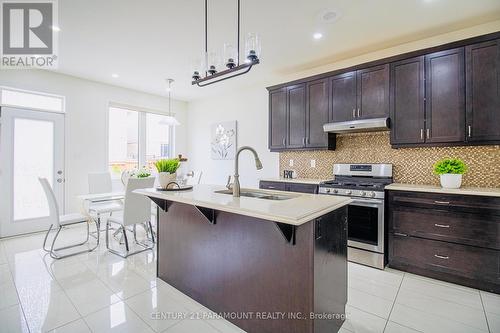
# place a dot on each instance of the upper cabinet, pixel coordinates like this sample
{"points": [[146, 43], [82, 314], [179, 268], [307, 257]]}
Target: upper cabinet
{"points": [[445, 96], [373, 92], [360, 94], [317, 113], [343, 92], [297, 114], [482, 63], [277, 118], [407, 101]]}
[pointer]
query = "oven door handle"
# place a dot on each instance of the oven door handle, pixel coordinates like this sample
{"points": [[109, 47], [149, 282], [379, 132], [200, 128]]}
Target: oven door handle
{"points": [[373, 202]]}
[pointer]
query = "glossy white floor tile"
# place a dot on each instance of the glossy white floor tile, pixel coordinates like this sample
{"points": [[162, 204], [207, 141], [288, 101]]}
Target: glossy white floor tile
{"points": [[77, 326], [12, 320], [101, 292], [117, 318]]}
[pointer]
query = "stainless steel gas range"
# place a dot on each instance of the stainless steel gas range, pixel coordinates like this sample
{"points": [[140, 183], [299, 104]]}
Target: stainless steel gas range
{"points": [[364, 183]]}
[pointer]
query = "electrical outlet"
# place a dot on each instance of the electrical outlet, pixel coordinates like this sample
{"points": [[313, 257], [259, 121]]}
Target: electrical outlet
{"points": [[291, 163], [313, 163]]}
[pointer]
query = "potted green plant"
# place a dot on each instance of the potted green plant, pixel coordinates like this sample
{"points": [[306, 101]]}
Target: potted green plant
{"points": [[450, 172], [167, 170]]}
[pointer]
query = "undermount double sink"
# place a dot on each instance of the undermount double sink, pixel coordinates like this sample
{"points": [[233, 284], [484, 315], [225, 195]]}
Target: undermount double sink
{"points": [[259, 195]]}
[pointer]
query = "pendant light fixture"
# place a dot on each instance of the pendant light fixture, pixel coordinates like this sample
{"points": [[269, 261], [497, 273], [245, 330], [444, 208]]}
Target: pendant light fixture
{"points": [[171, 121], [206, 72]]}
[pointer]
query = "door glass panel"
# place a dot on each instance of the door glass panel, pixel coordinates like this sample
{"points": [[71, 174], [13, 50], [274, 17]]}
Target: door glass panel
{"points": [[157, 138], [123, 141], [33, 158], [363, 224]]}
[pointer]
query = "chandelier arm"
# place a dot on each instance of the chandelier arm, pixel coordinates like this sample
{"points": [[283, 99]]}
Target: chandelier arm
{"points": [[200, 84]]}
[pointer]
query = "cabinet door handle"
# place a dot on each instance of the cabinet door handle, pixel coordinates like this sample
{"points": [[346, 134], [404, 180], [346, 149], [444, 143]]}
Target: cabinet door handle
{"points": [[421, 134], [428, 133], [359, 113], [283, 141], [304, 141], [400, 234], [354, 113], [470, 130], [441, 202], [441, 257], [441, 225]]}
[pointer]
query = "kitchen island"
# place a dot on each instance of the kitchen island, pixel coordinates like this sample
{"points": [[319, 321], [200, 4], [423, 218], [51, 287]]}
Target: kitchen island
{"points": [[273, 262]]}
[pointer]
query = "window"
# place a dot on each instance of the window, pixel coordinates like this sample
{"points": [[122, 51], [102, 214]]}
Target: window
{"points": [[31, 100], [137, 139]]}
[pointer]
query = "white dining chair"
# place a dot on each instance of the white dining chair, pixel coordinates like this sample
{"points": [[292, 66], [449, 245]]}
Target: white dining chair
{"points": [[194, 177], [136, 210], [60, 221], [101, 183]]}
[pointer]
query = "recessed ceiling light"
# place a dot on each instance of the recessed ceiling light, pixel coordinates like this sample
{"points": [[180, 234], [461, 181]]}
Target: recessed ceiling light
{"points": [[328, 16], [115, 76], [56, 28], [317, 35]]}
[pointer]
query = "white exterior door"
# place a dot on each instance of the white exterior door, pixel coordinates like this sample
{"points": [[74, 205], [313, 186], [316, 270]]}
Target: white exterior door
{"points": [[31, 146]]}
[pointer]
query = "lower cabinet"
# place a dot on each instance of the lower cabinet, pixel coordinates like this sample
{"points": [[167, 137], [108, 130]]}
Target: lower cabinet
{"points": [[290, 187], [454, 238]]}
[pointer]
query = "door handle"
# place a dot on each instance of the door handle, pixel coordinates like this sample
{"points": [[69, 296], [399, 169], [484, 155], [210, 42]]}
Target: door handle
{"points": [[421, 134], [441, 202], [428, 134], [441, 257], [304, 141], [354, 113], [359, 113], [283, 141], [441, 225], [470, 130]]}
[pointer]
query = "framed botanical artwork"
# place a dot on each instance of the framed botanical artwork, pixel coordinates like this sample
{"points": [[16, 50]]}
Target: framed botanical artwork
{"points": [[223, 140]]}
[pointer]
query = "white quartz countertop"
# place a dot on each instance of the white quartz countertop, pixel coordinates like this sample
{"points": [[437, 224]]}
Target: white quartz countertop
{"points": [[482, 191], [298, 210], [293, 180]]}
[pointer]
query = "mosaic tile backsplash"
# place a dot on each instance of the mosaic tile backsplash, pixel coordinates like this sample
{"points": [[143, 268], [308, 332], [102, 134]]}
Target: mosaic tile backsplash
{"points": [[410, 165]]}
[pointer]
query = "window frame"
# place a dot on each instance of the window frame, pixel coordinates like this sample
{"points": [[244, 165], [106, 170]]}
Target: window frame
{"points": [[142, 130]]}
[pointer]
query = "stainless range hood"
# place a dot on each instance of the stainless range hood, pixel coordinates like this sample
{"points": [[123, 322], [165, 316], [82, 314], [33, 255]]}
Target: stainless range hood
{"points": [[362, 125]]}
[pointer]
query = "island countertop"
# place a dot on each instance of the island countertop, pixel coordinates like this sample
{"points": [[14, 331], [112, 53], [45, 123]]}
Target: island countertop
{"points": [[298, 210]]}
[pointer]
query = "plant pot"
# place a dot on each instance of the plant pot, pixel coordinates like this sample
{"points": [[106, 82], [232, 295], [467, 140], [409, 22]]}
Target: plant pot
{"points": [[449, 180], [164, 178]]}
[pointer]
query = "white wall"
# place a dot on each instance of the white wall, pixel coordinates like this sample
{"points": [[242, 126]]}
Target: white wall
{"points": [[249, 108], [86, 120]]}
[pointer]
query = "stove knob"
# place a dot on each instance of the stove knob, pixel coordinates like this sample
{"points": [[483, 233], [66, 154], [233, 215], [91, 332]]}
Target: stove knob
{"points": [[362, 193], [335, 191], [372, 194], [327, 190], [348, 192]]}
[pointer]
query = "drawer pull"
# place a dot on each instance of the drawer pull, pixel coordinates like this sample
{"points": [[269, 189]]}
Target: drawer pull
{"points": [[270, 187], [400, 234], [441, 225], [441, 202], [441, 257]]}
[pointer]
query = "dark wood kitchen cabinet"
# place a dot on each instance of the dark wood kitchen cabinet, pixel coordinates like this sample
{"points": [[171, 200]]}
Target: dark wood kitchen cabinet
{"points": [[290, 187], [296, 116], [343, 97], [317, 113], [407, 107], [362, 94], [428, 100], [451, 237], [482, 63], [373, 92], [445, 96], [277, 118]]}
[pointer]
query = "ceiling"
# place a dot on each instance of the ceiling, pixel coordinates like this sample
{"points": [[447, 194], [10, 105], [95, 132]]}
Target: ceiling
{"points": [[145, 42]]}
